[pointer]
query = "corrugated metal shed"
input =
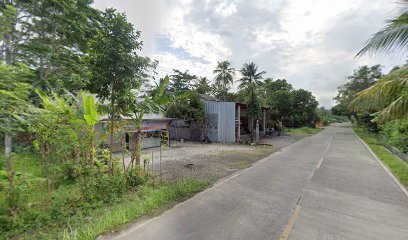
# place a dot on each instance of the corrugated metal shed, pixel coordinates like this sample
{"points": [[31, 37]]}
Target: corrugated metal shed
{"points": [[221, 118]]}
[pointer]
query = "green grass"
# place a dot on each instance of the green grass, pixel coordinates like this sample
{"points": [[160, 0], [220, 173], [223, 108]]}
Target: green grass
{"points": [[397, 166], [147, 200], [24, 164], [303, 130], [239, 165], [89, 224]]}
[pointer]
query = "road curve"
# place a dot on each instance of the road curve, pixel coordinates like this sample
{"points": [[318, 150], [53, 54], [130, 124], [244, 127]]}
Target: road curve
{"points": [[327, 186]]}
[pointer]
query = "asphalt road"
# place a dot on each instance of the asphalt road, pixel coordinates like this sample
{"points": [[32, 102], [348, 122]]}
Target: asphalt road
{"points": [[326, 187]]}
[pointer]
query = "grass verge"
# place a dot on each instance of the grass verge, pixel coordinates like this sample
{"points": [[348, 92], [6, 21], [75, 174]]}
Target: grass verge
{"points": [[147, 200], [397, 166], [303, 130]]}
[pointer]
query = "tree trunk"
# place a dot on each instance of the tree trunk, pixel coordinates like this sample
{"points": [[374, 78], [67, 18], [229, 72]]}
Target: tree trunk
{"points": [[91, 153], [137, 152], [8, 47], [252, 130], [138, 149], [7, 137], [110, 163], [7, 145]]}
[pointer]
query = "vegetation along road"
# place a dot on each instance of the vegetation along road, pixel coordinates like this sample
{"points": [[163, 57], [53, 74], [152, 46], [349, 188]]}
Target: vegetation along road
{"points": [[328, 186]]}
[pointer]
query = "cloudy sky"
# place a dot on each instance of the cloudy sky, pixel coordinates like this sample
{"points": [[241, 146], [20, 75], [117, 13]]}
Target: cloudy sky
{"points": [[311, 43]]}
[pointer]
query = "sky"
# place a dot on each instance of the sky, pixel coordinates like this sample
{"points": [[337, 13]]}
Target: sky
{"points": [[310, 43]]}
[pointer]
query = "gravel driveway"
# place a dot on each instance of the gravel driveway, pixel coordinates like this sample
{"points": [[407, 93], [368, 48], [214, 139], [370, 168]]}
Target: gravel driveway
{"points": [[211, 160]]}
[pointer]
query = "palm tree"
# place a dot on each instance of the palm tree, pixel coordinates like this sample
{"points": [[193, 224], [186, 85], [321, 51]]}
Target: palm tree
{"points": [[390, 94], [390, 91], [394, 36], [224, 76], [250, 75], [251, 78]]}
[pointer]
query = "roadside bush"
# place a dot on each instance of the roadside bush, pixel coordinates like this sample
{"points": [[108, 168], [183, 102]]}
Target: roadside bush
{"points": [[65, 202], [18, 148], [365, 121], [190, 109], [135, 177], [103, 189], [396, 133]]}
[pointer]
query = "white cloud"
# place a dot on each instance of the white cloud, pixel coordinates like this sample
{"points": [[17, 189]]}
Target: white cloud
{"points": [[311, 43]]}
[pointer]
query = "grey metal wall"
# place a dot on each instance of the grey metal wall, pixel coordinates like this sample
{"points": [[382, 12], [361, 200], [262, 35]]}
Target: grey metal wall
{"points": [[191, 134], [221, 115]]}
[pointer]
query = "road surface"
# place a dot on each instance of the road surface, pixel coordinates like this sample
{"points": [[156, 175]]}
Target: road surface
{"points": [[326, 187]]}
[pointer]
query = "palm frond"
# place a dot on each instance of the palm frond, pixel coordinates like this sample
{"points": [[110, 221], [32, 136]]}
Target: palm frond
{"points": [[224, 74], [389, 93], [397, 109], [392, 37], [387, 87]]}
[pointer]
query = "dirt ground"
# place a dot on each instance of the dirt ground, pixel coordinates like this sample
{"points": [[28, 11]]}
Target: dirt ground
{"points": [[209, 160]]}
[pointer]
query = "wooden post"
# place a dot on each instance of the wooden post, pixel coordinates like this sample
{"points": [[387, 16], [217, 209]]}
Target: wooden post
{"points": [[238, 123], [257, 132], [160, 158], [153, 168], [264, 121]]}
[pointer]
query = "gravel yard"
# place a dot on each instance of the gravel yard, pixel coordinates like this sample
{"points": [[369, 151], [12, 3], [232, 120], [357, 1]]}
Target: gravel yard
{"points": [[210, 160]]}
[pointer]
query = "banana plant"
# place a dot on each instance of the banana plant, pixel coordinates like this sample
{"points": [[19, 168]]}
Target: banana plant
{"points": [[91, 118]]}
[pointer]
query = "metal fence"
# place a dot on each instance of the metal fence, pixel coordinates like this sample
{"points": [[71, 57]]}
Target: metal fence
{"points": [[220, 121]]}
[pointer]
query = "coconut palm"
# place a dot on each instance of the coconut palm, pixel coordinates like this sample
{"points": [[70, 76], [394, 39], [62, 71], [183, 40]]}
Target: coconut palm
{"points": [[250, 75], [394, 36], [391, 91], [390, 94], [224, 75], [251, 78]]}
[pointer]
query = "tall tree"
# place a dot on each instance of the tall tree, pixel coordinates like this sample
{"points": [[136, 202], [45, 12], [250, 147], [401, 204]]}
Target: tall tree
{"points": [[8, 31], [224, 76], [115, 66], [51, 37], [280, 103], [8, 21], [181, 81], [361, 79], [250, 75], [15, 108], [251, 78], [270, 86], [202, 86], [304, 108]]}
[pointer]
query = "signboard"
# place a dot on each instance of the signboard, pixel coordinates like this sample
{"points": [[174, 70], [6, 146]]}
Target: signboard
{"points": [[149, 126]]}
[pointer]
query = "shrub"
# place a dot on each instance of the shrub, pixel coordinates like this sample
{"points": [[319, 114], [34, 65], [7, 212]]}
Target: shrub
{"points": [[102, 188], [396, 133], [135, 177], [190, 109]]}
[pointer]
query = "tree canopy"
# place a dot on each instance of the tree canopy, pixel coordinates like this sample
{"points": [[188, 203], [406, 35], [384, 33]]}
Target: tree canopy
{"points": [[189, 108], [202, 86], [362, 78], [115, 67], [181, 81]]}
